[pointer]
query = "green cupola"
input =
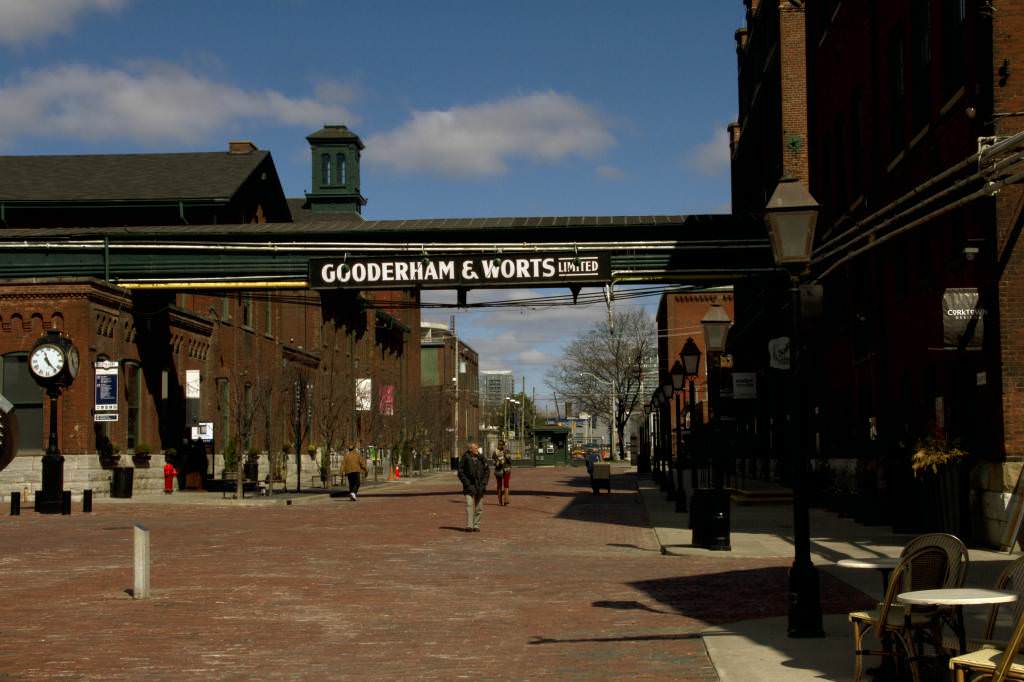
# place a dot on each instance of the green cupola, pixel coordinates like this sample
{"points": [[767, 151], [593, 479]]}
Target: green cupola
{"points": [[335, 164]]}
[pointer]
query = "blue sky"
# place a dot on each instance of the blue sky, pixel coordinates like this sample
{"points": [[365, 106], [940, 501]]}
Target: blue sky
{"points": [[467, 107]]}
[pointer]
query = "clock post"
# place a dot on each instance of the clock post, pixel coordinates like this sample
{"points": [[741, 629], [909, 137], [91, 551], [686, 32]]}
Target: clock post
{"points": [[53, 363]]}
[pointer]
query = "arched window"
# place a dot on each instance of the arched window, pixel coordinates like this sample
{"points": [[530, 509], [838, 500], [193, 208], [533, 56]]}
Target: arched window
{"points": [[325, 169], [17, 385], [133, 404], [341, 172]]}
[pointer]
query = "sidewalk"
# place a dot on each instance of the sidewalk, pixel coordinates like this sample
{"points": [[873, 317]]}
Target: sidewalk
{"points": [[214, 498], [759, 649]]}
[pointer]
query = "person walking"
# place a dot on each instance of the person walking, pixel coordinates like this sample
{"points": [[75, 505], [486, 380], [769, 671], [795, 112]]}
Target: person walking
{"points": [[354, 467], [473, 473], [502, 472]]}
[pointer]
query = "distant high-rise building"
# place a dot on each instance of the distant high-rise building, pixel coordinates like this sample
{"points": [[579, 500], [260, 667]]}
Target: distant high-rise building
{"points": [[495, 386]]}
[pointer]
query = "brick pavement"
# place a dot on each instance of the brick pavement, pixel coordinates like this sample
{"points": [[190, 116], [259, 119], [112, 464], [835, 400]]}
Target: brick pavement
{"points": [[559, 585]]}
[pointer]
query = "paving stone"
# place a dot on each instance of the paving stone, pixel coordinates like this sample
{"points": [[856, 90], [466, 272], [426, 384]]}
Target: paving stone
{"points": [[561, 584]]}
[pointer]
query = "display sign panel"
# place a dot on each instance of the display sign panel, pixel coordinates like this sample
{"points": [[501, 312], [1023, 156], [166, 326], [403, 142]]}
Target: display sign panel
{"points": [[440, 272], [106, 390]]}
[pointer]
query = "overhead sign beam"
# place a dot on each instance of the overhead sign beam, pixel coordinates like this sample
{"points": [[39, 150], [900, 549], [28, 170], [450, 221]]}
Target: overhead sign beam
{"points": [[452, 271]]}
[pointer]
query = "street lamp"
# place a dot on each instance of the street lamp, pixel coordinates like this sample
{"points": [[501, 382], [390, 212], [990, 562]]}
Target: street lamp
{"points": [[690, 355], [678, 374], [665, 402], [716, 329], [791, 215]]}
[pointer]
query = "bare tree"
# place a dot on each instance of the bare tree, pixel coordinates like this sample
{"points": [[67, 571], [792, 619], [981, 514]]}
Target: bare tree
{"points": [[251, 395], [300, 389], [605, 359]]}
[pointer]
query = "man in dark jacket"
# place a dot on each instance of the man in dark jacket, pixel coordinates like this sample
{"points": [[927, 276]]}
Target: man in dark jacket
{"points": [[473, 473]]}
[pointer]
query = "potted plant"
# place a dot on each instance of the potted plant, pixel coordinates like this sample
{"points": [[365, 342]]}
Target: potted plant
{"points": [[141, 455], [938, 466], [252, 464], [108, 452]]}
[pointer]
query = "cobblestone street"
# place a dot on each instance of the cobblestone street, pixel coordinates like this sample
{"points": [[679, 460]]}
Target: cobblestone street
{"points": [[562, 584]]}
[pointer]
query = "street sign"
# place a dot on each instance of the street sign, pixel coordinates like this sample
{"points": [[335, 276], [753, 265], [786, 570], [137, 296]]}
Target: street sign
{"points": [[106, 391]]}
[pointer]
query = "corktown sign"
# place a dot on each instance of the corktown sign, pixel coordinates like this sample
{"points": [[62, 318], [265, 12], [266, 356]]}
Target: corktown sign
{"points": [[442, 272]]}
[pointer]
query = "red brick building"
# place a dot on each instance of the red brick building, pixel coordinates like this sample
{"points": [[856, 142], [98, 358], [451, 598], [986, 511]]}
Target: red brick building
{"points": [[898, 99], [247, 351], [679, 318], [447, 391]]}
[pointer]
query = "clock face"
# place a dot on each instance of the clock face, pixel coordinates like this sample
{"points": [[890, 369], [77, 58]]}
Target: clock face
{"points": [[73, 362], [47, 361]]}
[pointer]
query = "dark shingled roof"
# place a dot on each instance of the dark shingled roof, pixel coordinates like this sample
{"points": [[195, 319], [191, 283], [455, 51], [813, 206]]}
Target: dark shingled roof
{"points": [[125, 177], [335, 133], [304, 215]]}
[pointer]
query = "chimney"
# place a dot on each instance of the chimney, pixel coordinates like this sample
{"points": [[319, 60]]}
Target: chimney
{"points": [[241, 147]]}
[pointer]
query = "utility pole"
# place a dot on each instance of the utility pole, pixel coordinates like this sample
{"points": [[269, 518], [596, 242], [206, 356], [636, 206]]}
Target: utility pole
{"points": [[609, 297]]}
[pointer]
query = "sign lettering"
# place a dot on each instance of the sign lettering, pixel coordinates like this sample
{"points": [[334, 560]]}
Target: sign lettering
{"points": [[452, 271]]}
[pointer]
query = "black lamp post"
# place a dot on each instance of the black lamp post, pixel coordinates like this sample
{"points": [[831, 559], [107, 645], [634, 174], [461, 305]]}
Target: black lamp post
{"points": [[665, 401], [678, 378], [791, 214], [656, 441], [643, 463], [691, 365], [716, 329]]}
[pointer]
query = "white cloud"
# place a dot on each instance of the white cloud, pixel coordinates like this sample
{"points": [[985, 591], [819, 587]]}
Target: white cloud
{"points": [[24, 21], [536, 357], [609, 172], [711, 158], [148, 102], [481, 139]]}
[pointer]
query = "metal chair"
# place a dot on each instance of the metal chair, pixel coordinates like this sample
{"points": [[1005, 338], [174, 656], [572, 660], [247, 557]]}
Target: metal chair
{"points": [[922, 566], [993, 664]]}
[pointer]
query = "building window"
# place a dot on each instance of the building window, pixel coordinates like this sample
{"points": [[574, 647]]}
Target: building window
{"points": [[897, 92], [224, 410], [856, 150], [247, 321], [954, 16], [325, 169], [341, 172], [268, 317], [921, 37], [132, 403], [225, 308], [27, 398], [248, 418]]}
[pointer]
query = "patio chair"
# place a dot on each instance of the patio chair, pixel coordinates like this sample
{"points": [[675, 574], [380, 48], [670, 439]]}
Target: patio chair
{"points": [[923, 567], [991, 664], [1012, 580], [953, 546]]}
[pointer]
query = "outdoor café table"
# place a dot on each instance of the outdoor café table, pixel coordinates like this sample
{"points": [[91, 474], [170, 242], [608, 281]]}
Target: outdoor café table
{"points": [[885, 564], [957, 597]]}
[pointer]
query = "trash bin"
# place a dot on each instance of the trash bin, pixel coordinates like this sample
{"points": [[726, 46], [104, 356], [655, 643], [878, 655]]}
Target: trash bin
{"points": [[710, 519], [455, 463], [122, 481]]}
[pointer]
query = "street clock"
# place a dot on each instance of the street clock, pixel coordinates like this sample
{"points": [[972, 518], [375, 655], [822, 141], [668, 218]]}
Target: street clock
{"points": [[53, 361]]}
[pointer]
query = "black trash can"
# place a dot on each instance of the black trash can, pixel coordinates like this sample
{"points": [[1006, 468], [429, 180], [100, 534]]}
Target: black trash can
{"points": [[455, 463], [122, 482]]}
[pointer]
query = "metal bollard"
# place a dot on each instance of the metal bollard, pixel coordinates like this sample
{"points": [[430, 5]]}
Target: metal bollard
{"points": [[15, 504], [65, 502], [87, 500]]}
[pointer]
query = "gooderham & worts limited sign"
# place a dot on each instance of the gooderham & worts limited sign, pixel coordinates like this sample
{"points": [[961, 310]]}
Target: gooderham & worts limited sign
{"points": [[440, 272]]}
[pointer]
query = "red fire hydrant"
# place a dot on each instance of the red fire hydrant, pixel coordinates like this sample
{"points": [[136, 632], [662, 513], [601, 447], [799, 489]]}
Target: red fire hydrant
{"points": [[169, 473]]}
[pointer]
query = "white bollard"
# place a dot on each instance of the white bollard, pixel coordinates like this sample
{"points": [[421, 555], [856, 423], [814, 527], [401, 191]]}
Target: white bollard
{"points": [[141, 590]]}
